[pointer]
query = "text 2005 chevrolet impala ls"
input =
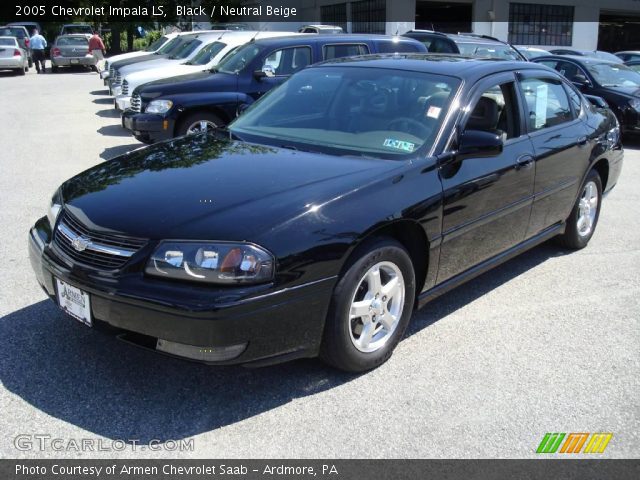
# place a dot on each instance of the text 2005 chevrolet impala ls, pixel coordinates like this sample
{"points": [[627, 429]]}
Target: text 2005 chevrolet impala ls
{"points": [[356, 191]]}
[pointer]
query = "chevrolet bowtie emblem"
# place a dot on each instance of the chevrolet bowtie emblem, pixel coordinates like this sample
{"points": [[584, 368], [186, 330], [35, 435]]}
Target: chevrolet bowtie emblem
{"points": [[80, 243]]}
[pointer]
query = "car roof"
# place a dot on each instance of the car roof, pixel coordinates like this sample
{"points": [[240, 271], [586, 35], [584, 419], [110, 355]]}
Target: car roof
{"points": [[443, 64], [333, 38], [469, 38], [14, 26], [578, 59], [628, 51], [73, 35]]}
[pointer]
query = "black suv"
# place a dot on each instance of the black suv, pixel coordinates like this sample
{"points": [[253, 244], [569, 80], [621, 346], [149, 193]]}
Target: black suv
{"points": [[198, 102]]}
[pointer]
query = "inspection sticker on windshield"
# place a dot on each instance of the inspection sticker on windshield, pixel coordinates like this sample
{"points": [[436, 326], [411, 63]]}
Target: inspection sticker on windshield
{"points": [[433, 112], [399, 144]]}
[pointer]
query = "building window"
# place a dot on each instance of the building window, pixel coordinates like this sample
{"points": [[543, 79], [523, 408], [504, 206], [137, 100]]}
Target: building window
{"points": [[369, 16], [533, 24], [334, 15]]}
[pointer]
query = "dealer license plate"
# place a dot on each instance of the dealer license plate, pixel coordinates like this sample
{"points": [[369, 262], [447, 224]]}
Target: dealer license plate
{"points": [[74, 301], [75, 60]]}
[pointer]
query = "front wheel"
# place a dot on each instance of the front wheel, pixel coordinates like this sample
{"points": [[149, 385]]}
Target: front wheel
{"points": [[370, 308], [199, 122], [583, 219]]}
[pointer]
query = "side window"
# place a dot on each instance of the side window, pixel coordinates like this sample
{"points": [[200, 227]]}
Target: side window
{"points": [[549, 63], [547, 103], [441, 46], [343, 50], [576, 100], [288, 60], [496, 111], [571, 72], [397, 47]]}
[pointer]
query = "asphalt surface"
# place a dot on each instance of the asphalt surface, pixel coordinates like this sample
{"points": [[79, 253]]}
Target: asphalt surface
{"points": [[549, 342]]}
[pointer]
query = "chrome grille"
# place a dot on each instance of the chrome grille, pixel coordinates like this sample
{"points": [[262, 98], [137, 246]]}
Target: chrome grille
{"points": [[112, 72], [99, 250], [118, 78], [106, 66], [125, 87], [136, 103]]}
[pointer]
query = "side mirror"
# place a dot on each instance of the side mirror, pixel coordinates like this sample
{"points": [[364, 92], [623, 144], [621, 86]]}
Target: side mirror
{"points": [[581, 82], [597, 102], [479, 144], [267, 71]]}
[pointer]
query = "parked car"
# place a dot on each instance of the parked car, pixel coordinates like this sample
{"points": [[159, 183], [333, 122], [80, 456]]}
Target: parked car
{"points": [[628, 55], [169, 49], [473, 45], [77, 29], [71, 50], [616, 83], [436, 42], [230, 26], [585, 53], [13, 56], [531, 52], [30, 26], [152, 48], [21, 35], [320, 29], [214, 47], [353, 193], [189, 104]]}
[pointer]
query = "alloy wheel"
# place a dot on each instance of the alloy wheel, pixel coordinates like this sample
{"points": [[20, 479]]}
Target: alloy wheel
{"points": [[587, 209]]}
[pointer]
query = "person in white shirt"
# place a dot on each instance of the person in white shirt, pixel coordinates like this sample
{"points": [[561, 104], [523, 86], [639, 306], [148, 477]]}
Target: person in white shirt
{"points": [[37, 43]]}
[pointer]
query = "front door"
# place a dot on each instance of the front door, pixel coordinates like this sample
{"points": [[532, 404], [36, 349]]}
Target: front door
{"points": [[487, 201]]}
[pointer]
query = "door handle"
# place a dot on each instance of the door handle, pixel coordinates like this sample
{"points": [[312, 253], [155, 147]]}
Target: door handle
{"points": [[524, 161]]}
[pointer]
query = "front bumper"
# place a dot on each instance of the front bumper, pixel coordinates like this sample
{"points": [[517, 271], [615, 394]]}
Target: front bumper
{"points": [[123, 102], [148, 127], [87, 61], [104, 75], [275, 325]]}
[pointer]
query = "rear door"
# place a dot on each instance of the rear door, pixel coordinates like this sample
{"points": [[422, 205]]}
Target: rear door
{"points": [[559, 138]]}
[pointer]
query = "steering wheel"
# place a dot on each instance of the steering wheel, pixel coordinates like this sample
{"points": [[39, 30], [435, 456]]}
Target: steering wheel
{"points": [[409, 125]]}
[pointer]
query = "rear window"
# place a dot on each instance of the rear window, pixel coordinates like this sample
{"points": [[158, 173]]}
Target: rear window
{"points": [[344, 50], [12, 32], [487, 50], [8, 42], [77, 29], [65, 41], [393, 47]]}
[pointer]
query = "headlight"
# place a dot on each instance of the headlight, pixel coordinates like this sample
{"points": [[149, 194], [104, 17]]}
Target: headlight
{"points": [[635, 104], [55, 206], [211, 262], [159, 106]]}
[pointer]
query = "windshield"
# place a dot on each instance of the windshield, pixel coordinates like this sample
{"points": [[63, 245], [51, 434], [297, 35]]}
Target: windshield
{"points": [[186, 49], [635, 67], [242, 57], [614, 75], [207, 54], [156, 45], [170, 46], [380, 113], [486, 50], [62, 41]]}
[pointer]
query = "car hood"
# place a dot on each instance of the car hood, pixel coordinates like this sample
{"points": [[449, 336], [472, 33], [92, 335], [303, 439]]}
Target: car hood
{"points": [[130, 61], [206, 188], [201, 81], [148, 65], [630, 91]]}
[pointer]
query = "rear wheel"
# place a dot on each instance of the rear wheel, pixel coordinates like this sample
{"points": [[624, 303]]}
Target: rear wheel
{"points": [[30, 62], [54, 68], [583, 219], [370, 307], [199, 122]]}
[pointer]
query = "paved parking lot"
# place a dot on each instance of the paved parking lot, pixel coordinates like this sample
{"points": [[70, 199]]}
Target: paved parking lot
{"points": [[549, 342]]}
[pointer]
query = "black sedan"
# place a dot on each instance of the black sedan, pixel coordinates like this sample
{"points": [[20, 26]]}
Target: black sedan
{"points": [[617, 84], [357, 191]]}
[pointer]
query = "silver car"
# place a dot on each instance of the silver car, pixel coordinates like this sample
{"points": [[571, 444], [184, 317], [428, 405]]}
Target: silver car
{"points": [[13, 56], [71, 50]]}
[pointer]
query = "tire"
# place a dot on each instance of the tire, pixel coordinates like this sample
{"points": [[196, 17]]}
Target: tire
{"points": [[344, 344], [30, 62], [54, 68], [19, 71], [26, 69], [188, 123], [577, 236]]}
